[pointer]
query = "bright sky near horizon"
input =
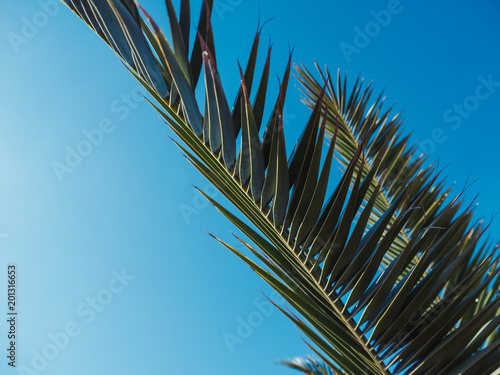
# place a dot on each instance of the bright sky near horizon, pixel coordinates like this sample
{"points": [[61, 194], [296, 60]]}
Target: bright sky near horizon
{"points": [[113, 254]]}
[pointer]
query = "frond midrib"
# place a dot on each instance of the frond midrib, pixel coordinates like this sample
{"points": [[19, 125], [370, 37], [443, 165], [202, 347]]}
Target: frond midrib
{"points": [[347, 320]]}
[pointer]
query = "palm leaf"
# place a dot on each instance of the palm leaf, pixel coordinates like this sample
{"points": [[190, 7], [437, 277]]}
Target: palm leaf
{"points": [[309, 366], [384, 274], [351, 111], [356, 117]]}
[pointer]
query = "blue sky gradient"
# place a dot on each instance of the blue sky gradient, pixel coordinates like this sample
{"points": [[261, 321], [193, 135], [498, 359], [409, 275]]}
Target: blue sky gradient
{"points": [[128, 207]]}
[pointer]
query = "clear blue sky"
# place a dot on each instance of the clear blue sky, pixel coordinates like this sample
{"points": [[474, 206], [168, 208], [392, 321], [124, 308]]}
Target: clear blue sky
{"points": [[119, 208]]}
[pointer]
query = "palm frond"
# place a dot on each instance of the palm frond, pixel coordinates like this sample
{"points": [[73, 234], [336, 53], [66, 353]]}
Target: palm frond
{"points": [[357, 116], [380, 287], [309, 366], [352, 111]]}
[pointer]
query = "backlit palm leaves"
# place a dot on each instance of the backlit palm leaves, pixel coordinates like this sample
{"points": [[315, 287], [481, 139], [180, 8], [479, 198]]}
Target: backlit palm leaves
{"points": [[385, 273]]}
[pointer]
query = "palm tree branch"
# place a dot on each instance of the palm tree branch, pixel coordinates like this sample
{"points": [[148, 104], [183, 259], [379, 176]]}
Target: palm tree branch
{"points": [[358, 268]]}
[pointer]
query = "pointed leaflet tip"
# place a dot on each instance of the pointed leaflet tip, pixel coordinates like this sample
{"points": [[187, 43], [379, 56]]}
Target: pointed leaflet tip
{"points": [[281, 198], [203, 43], [267, 139], [218, 126], [211, 235], [208, 31], [206, 52], [148, 17], [243, 85], [281, 104], [259, 27], [246, 96], [178, 40], [270, 45], [290, 51], [260, 97]]}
